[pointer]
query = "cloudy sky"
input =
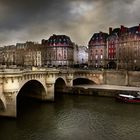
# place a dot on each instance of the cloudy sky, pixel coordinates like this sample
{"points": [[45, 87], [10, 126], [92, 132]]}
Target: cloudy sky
{"points": [[33, 20]]}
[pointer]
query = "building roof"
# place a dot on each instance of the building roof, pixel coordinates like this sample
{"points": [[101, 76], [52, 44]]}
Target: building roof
{"points": [[123, 30], [133, 30], [98, 37], [59, 40]]}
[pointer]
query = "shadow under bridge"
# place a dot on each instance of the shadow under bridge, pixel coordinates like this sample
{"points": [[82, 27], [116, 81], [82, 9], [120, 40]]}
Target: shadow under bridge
{"points": [[83, 81], [60, 86], [33, 89]]}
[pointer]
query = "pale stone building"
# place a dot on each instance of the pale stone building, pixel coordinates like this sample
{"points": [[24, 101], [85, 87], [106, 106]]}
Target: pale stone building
{"points": [[9, 55], [80, 54], [32, 56], [23, 54], [20, 53], [1, 56]]}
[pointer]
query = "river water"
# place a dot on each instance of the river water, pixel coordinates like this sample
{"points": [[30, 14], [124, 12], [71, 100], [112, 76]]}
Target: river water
{"points": [[73, 117]]}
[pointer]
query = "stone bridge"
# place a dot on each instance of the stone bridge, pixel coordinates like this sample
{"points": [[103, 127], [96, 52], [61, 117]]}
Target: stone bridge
{"points": [[43, 83]]}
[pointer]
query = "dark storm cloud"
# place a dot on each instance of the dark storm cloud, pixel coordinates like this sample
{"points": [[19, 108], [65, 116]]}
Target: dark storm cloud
{"points": [[22, 20], [22, 12]]}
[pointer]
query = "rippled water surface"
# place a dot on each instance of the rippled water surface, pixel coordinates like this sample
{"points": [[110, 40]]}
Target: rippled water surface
{"points": [[73, 117]]}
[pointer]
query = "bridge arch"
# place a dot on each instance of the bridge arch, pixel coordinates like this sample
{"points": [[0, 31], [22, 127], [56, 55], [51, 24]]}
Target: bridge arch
{"points": [[59, 85], [83, 81], [32, 88]]}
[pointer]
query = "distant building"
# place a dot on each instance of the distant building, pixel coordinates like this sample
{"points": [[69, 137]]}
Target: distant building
{"points": [[112, 48], [120, 49], [22, 54], [129, 48], [1, 55], [123, 48], [59, 50], [8, 55], [80, 54], [33, 54], [97, 50]]}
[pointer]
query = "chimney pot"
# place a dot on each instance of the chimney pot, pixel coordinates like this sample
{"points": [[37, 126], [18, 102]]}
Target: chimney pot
{"points": [[110, 30]]}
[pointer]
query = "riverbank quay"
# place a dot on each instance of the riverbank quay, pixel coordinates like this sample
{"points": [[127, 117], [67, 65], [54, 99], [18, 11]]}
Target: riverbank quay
{"points": [[101, 90]]}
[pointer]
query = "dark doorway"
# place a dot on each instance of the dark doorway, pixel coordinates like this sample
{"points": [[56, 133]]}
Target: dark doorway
{"points": [[112, 65]]}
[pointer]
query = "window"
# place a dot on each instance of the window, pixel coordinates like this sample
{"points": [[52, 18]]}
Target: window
{"points": [[96, 56], [101, 56]]}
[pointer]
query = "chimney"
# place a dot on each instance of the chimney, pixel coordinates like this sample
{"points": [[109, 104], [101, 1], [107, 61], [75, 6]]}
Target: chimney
{"points": [[43, 41], [139, 28], [110, 30], [122, 29], [100, 33]]}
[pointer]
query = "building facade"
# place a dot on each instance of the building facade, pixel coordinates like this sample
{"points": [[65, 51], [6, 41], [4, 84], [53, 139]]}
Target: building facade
{"points": [[23, 54], [123, 48], [8, 55], [118, 50], [112, 48], [97, 50], [80, 55], [59, 50], [33, 54], [129, 48]]}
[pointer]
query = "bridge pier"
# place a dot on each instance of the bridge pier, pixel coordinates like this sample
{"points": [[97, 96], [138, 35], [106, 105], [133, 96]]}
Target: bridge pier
{"points": [[10, 105], [50, 81], [9, 87], [69, 80], [50, 92]]}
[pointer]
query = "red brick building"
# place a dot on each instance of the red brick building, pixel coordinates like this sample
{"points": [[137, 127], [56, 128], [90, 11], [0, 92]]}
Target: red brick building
{"points": [[112, 48], [123, 48]]}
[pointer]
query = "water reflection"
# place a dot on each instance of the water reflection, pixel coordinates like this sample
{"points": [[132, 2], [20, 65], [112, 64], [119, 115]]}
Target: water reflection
{"points": [[73, 117]]}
